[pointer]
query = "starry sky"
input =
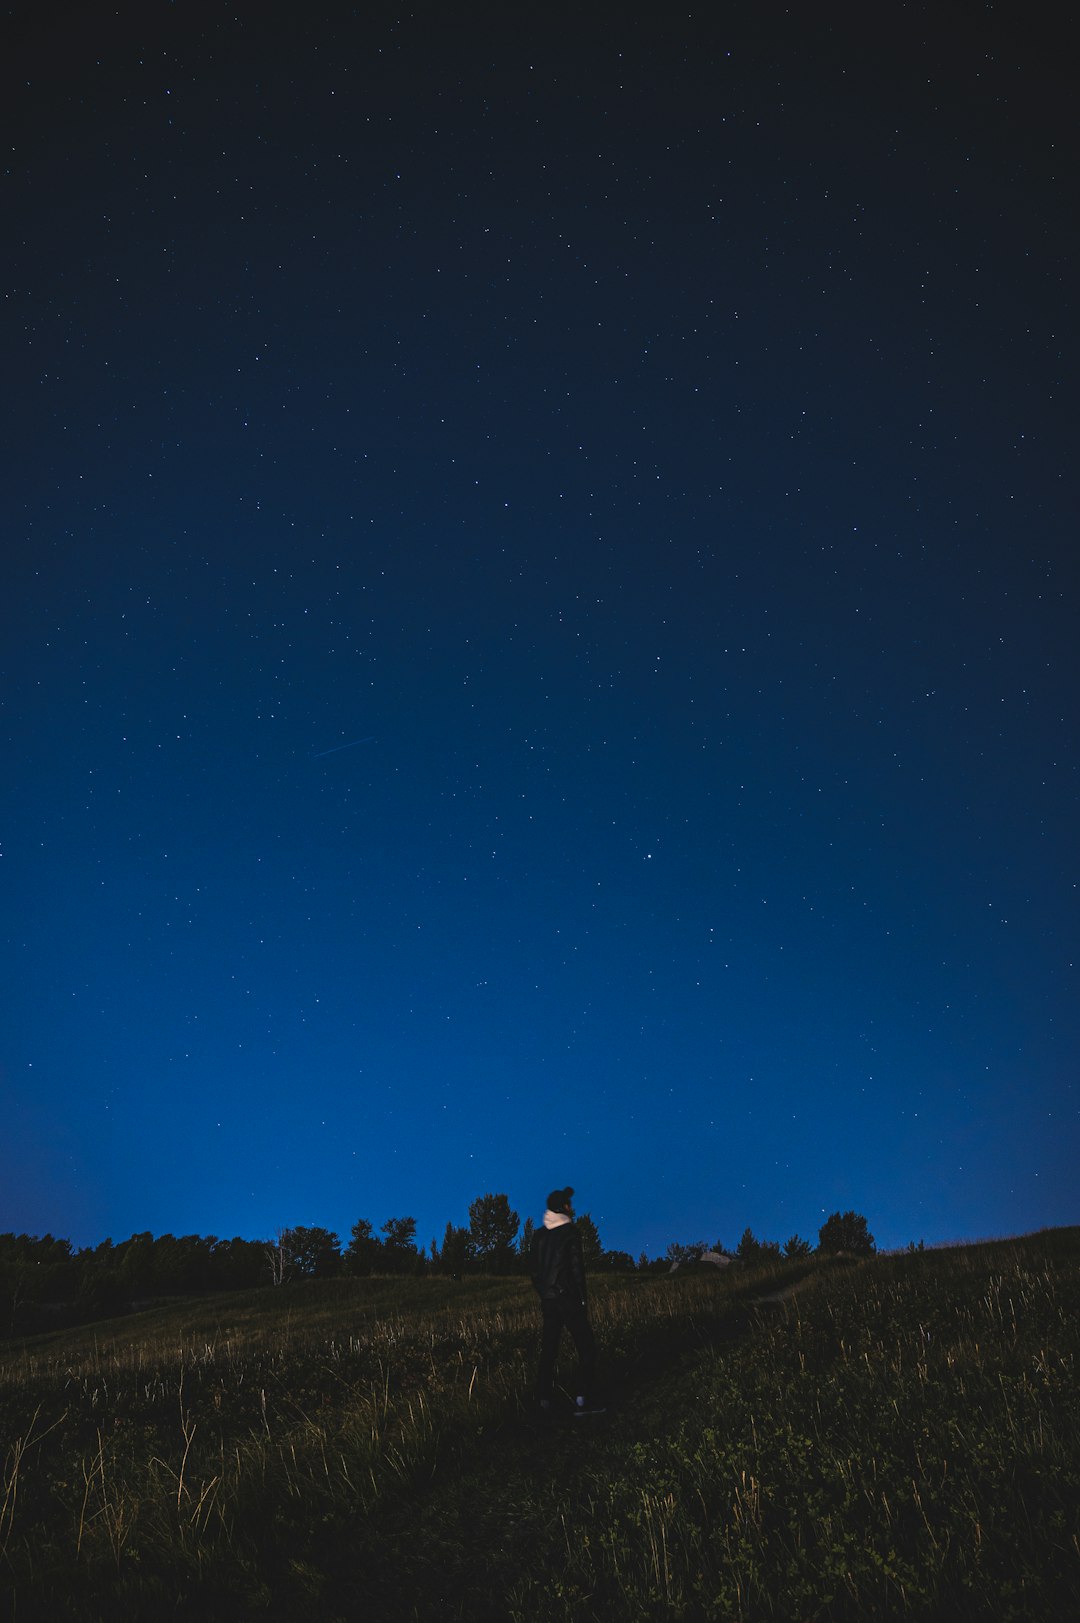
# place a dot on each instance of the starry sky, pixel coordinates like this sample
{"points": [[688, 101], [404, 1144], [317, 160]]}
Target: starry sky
{"points": [[538, 626]]}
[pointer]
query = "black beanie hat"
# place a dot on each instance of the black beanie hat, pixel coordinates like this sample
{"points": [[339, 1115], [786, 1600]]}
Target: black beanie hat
{"points": [[559, 1200]]}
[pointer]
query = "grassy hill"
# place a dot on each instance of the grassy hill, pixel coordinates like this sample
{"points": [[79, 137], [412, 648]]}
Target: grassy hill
{"points": [[898, 1437]]}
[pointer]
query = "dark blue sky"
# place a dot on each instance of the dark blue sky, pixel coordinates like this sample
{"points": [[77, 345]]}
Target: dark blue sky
{"points": [[539, 625]]}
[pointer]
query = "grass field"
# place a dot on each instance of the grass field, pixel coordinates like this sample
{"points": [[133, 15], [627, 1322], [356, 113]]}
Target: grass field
{"points": [[898, 1437]]}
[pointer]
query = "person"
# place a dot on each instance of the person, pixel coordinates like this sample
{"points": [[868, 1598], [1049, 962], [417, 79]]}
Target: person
{"points": [[558, 1271]]}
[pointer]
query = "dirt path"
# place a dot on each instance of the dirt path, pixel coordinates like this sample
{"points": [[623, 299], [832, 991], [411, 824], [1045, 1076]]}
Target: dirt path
{"points": [[784, 1295]]}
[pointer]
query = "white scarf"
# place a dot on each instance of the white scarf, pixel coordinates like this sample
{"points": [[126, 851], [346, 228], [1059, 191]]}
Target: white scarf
{"points": [[555, 1220]]}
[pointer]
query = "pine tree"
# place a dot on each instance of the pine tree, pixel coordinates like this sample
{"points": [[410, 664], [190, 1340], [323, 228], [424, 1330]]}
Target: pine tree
{"points": [[454, 1257], [591, 1249], [492, 1231]]}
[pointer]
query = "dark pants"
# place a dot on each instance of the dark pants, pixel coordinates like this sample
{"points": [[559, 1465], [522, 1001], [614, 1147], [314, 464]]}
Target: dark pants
{"points": [[560, 1315]]}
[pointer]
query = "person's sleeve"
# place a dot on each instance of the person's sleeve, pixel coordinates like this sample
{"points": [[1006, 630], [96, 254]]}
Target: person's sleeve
{"points": [[576, 1259]]}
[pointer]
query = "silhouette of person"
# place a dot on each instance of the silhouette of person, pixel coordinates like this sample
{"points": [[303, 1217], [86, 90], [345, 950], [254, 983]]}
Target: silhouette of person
{"points": [[558, 1272]]}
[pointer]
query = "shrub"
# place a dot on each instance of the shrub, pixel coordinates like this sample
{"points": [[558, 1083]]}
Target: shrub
{"points": [[846, 1231]]}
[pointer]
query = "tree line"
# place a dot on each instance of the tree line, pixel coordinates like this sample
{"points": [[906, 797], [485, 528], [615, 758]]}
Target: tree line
{"points": [[45, 1283]]}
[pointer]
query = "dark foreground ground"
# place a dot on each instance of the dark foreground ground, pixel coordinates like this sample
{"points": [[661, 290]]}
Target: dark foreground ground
{"points": [[893, 1438]]}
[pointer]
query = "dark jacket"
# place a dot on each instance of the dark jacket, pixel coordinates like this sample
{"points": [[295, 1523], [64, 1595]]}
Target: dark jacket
{"points": [[558, 1266]]}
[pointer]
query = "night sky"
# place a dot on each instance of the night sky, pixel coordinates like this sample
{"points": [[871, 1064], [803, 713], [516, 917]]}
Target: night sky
{"points": [[539, 618]]}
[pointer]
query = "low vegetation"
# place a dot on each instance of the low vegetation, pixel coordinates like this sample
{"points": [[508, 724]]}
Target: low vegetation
{"points": [[810, 1439]]}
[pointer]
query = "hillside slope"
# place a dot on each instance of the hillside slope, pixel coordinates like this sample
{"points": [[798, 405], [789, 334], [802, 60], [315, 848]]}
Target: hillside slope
{"points": [[895, 1438]]}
